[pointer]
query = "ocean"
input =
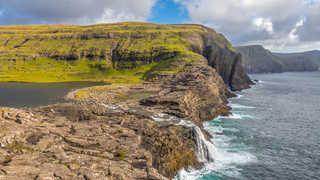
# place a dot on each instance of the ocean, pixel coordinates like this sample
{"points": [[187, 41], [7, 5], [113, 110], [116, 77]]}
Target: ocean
{"points": [[274, 132]]}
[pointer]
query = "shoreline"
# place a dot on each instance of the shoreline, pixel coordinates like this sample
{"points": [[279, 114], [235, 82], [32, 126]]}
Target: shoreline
{"points": [[139, 105]]}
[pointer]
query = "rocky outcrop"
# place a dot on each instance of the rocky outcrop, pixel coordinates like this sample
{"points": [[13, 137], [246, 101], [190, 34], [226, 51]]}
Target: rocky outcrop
{"points": [[148, 51], [229, 65], [256, 59], [148, 130], [227, 62], [73, 141], [220, 55], [144, 131], [197, 93]]}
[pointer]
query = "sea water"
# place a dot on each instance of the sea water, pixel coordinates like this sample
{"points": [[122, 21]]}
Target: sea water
{"points": [[273, 133]]}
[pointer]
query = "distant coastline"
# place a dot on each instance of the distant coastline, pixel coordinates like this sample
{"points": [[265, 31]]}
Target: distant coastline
{"points": [[256, 59]]}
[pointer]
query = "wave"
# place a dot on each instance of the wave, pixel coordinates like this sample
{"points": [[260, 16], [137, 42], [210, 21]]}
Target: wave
{"points": [[214, 154], [221, 156], [237, 115], [234, 116], [239, 96], [227, 155], [239, 106]]}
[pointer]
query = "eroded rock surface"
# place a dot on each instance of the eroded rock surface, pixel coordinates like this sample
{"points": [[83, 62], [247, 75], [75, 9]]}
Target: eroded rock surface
{"points": [[114, 132], [79, 141]]}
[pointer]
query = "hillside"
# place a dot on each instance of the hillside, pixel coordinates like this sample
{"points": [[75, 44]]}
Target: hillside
{"points": [[116, 53], [146, 123], [293, 60], [315, 55], [256, 59]]}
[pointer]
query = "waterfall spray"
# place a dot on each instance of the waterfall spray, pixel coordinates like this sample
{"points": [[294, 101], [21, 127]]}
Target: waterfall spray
{"points": [[206, 151]]}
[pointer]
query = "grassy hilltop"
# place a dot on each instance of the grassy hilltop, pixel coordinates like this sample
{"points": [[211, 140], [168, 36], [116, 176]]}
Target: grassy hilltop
{"points": [[116, 53]]}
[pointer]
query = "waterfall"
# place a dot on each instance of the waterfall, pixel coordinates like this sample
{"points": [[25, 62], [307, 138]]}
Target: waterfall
{"points": [[206, 151]]}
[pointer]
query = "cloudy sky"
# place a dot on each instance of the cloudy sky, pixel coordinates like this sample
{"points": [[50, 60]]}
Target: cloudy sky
{"points": [[279, 25]]}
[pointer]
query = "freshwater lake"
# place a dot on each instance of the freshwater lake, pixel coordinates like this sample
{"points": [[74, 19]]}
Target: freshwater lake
{"points": [[30, 94]]}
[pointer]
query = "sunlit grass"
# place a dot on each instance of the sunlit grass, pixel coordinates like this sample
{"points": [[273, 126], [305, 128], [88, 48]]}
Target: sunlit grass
{"points": [[61, 53]]}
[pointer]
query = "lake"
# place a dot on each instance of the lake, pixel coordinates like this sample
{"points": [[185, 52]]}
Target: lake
{"points": [[30, 94]]}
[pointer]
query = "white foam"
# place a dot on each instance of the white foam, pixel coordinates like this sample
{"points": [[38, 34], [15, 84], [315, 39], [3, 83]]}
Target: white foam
{"points": [[235, 116], [238, 106], [232, 116], [184, 174], [223, 145], [225, 163], [240, 115], [225, 159], [247, 116], [217, 130], [238, 96], [217, 154]]}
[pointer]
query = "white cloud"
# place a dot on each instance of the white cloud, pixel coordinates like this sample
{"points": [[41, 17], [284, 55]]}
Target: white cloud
{"points": [[277, 45], [260, 21], [75, 12], [293, 36], [111, 15], [263, 24], [290, 42]]}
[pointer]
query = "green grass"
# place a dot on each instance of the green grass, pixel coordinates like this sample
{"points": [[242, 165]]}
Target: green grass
{"points": [[63, 53], [47, 70], [121, 154]]}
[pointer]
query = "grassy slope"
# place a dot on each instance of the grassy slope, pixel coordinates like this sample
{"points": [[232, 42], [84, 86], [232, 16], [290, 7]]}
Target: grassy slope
{"points": [[59, 53]]}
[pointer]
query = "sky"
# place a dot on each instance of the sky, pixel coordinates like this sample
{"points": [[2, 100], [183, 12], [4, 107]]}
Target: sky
{"points": [[278, 25]]}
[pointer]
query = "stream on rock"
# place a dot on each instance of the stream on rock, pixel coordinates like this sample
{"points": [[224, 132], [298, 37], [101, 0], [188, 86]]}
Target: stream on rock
{"points": [[273, 132]]}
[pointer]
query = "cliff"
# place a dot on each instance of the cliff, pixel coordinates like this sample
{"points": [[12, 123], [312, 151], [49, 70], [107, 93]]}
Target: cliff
{"points": [[116, 53], [164, 81], [314, 55], [305, 61], [256, 59], [143, 131]]}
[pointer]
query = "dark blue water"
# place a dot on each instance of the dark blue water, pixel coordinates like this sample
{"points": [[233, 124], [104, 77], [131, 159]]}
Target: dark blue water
{"points": [[29, 94], [274, 132]]}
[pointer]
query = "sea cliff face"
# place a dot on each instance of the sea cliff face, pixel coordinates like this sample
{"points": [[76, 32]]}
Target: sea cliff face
{"points": [[307, 61], [256, 59], [145, 131], [221, 56], [165, 80], [116, 53]]}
